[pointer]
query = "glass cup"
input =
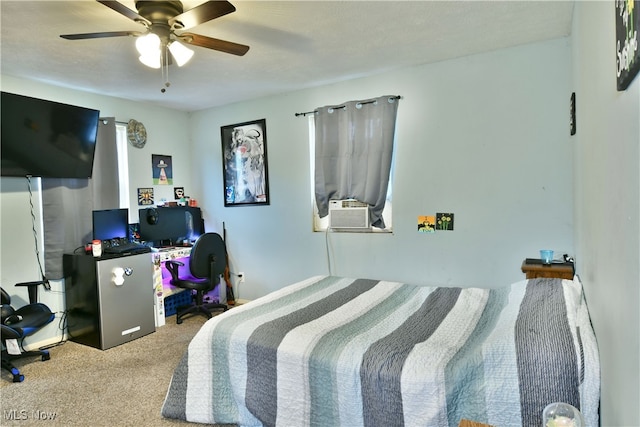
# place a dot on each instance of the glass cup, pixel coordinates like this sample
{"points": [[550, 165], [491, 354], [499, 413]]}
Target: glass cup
{"points": [[559, 414], [546, 255]]}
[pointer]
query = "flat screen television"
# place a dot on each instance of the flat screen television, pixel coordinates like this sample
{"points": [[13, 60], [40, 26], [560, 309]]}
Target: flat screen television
{"points": [[111, 224], [45, 138]]}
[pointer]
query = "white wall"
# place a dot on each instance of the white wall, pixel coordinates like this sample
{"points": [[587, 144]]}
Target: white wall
{"points": [[168, 134], [607, 207], [485, 137]]}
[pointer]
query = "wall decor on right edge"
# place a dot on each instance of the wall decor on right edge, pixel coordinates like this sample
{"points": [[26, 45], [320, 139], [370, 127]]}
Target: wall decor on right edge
{"points": [[572, 114], [627, 49]]}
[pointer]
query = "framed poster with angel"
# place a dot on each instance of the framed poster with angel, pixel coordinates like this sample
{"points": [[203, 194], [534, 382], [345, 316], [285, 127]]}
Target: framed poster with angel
{"points": [[244, 163]]}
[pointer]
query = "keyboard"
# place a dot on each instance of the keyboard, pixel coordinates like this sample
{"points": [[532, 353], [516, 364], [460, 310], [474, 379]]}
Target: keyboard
{"points": [[127, 248]]}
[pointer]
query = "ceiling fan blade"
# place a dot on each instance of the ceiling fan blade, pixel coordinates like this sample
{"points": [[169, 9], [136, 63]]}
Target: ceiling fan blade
{"points": [[124, 10], [215, 44], [201, 14], [100, 35]]}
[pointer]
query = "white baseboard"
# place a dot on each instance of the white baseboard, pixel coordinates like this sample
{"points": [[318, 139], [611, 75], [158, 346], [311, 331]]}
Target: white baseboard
{"points": [[43, 343]]}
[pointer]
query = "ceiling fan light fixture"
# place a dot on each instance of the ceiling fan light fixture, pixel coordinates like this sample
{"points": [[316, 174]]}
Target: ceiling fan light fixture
{"points": [[180, 52], [149, 48], [149, 44], [152, 61], [158, 47]]}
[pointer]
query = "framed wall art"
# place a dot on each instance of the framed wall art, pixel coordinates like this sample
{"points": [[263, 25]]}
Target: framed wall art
{"points": [[162, 167], [627, 43], [244, 158], [145, 196]]}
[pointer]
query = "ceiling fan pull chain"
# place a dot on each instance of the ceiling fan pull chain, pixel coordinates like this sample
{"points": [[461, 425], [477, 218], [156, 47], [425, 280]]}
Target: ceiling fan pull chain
{"points": [[165, 70]]}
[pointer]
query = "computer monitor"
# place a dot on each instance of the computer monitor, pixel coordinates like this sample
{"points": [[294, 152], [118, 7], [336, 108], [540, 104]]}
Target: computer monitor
{"points": [[111, 224], [168, 226]]}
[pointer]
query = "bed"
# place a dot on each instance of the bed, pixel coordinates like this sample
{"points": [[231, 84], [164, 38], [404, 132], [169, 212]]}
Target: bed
{"points": [[335, 351]]}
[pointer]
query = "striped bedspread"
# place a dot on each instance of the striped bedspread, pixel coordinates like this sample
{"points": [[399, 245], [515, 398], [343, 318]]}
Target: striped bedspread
{"points": [[332, 351]]}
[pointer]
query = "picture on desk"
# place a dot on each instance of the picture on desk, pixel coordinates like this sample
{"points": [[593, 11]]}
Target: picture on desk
{"points": [[134, 232], [178, 193]]}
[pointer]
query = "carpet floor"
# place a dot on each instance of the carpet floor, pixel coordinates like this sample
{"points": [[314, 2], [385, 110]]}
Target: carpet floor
{"points": [[84, 386]]}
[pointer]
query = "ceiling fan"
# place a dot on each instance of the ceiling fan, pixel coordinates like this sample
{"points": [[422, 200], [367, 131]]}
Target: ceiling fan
{"points": [[165, 22]]}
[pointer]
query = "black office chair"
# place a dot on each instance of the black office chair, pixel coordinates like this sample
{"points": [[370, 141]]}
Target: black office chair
{"points": [[20, 323], [207, 261]]}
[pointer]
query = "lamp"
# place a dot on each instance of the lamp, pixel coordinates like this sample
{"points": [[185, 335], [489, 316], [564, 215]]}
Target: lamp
{"points": [[149, 48], [180, 52], [154, 48]]}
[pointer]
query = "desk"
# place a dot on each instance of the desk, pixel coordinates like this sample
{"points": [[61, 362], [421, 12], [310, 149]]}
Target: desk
{"points": [[534, 268], [161, 288]]}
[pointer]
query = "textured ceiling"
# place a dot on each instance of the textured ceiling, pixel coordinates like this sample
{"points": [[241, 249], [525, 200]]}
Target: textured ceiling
{"points": [[294, 44]]}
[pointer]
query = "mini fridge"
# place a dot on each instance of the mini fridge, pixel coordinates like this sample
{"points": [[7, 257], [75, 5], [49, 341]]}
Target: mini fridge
{"points": [[109, 299]]}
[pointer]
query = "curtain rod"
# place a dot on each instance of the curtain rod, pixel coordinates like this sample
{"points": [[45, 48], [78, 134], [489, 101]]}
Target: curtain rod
{"points": [[342, 106], [104, 120]]}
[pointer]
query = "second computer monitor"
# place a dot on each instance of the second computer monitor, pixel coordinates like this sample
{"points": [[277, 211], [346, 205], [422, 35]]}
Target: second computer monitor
{"points": [[168, 226]]}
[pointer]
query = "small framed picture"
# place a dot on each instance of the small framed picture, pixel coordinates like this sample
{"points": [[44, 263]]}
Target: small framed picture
{"points": [[444, 221], [244, 163], [178, 193], [145, 196]]}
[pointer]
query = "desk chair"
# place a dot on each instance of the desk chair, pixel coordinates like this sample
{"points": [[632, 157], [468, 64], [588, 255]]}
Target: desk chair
{"points": [[206, 263], [20, 323]]}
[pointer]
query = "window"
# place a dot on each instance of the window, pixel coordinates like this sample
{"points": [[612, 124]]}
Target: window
{"points": [[322, 224], [123, 165]]}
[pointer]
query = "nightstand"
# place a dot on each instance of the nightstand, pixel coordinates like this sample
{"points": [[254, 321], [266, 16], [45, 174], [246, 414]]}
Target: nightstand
{"points": [[534, 268]]}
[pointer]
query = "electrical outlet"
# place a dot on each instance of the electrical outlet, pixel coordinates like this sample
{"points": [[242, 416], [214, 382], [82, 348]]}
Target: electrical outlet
{"points": [[240, 277]]}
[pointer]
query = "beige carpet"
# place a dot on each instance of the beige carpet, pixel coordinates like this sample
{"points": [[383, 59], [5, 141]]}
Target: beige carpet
{"points": [[84, 386]]}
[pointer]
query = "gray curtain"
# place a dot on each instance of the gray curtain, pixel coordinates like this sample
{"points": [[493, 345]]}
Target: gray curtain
{"points": [[67, 203], [105, 179], [354, 149]]}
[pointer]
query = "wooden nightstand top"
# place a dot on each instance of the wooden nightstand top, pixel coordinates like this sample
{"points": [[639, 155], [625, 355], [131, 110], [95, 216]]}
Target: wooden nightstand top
{"points": [[534, 268], [469, 423]]}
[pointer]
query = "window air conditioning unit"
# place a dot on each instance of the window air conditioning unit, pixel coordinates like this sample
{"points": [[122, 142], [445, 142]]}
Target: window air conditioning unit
{"points": [[348, 215]]}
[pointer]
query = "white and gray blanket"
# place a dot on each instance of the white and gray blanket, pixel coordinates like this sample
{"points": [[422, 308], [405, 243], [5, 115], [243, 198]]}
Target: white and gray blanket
{"points": [[332, 351]]}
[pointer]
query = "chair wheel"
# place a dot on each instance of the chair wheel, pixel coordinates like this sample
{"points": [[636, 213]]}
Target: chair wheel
{"points": [[46, 356], [178, 320], [17, 376]]}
